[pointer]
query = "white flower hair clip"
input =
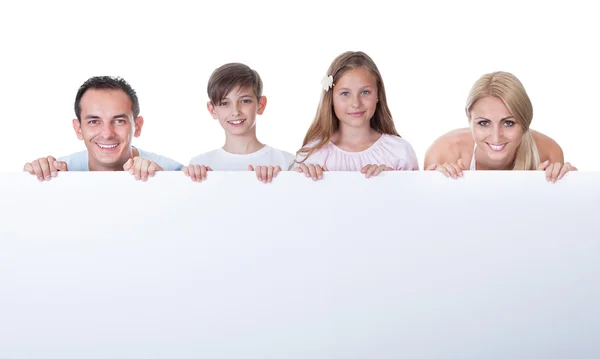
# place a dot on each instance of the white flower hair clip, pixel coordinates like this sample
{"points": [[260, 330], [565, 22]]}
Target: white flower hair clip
{"points": [[327, 82]]}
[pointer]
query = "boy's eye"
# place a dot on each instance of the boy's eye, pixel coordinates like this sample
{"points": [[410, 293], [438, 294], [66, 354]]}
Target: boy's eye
{"points": [[246, 100], [223, 103]]}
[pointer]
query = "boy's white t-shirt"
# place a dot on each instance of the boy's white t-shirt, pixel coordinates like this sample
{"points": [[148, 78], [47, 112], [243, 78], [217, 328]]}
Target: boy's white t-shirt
{"points": [[221, 160]]}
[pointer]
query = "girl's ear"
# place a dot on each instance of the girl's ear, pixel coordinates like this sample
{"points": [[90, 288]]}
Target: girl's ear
{"points": [[262, 103]]}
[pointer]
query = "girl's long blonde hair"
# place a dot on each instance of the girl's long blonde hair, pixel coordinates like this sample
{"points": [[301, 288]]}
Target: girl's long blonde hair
{"points": [[326, 123], [509, 89]]}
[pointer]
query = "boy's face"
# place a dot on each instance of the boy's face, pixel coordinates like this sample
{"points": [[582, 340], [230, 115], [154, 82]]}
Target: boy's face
{"points": [[237, 111], [107, 127]]}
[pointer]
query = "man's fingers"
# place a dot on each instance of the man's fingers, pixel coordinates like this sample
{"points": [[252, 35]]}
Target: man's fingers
{"points": [[152, 169], [37, 170], [61, 166], [196, 173], [45, 167], [127, 165], [28, 168], [144, 166]]}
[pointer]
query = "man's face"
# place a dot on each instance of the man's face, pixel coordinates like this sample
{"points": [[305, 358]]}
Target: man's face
{"points": [[107, 127]]}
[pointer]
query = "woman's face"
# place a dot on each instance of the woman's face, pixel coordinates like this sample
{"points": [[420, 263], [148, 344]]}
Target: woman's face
{"points": [[495, 131]]}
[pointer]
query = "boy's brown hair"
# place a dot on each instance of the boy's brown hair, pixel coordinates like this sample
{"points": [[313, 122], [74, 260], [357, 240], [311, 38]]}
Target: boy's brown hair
{"points": [[229, 76]]}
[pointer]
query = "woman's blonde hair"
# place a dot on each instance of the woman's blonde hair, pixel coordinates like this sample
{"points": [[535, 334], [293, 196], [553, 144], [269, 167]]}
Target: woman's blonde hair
{"points": [[509, 89], [326, 123]]}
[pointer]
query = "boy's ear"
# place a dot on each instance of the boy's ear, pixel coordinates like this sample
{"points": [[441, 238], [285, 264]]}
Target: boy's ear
{"points": [[211, 109], [77, 128], [139, 122], [262, 103]]}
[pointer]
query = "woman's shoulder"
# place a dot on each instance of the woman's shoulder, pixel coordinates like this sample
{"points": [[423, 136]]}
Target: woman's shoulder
{"points": [[450, 147], [548, 149]]}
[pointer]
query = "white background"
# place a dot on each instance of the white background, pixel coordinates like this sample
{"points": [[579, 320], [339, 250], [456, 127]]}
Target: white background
{"points": [[429, 53]]}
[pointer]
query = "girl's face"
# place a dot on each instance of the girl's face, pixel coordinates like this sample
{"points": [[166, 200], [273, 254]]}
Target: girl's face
{"points": [[355, 98], [495, 130]]}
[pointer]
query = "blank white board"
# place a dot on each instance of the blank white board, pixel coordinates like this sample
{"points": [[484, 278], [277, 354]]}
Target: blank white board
{"points": [[405, 265]]}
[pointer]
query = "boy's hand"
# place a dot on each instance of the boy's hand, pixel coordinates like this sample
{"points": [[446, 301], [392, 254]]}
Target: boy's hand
{"points": [[265, 174], [45, 168], [196, 172], [141, 168]]}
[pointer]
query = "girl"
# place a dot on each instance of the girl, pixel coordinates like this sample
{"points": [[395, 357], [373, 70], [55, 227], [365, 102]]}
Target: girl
{"points": [[499, 113], [353, 129]]}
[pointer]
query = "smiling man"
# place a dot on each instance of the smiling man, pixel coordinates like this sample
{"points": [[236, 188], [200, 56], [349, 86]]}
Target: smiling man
{"points": [[108, 117]]}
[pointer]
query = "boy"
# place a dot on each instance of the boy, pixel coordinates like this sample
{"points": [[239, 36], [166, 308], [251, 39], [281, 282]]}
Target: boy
{"points": [[235, 93]]}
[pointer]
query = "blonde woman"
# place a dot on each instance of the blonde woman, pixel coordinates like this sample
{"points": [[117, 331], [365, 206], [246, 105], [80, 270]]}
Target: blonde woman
{"points": [[499, 137]]}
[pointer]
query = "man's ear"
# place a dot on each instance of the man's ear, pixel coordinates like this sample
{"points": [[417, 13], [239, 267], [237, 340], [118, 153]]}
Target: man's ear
{"points": [[262, 103], [139, 122], [211, 109], [77, 128]]}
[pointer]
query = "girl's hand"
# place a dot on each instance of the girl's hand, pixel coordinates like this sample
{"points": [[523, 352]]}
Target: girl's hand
{"points": [[313, 171], [374, 170]]}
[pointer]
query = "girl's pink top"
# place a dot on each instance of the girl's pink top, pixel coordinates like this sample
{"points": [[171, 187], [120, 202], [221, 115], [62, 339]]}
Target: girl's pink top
{"points": [[389, 150]]}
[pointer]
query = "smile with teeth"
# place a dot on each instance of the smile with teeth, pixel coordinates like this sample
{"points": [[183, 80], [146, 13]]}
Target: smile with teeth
{"points": [[236, 122], [495, 147], [107, 147]]}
